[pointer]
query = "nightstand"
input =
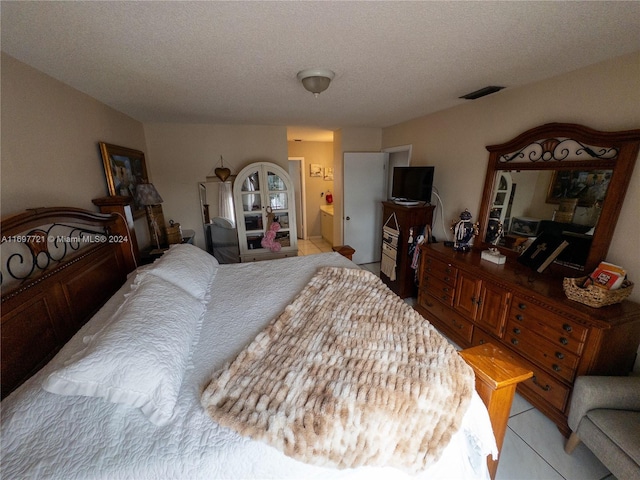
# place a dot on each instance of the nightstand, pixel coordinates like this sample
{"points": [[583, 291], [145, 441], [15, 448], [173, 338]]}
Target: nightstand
{"points": [[150, 254]]}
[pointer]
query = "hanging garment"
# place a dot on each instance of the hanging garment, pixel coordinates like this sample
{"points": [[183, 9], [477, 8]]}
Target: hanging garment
{"points": [[390, 236]]}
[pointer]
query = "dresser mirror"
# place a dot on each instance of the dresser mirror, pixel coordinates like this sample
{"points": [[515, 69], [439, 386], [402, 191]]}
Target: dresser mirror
{"points": [[563, 179]]}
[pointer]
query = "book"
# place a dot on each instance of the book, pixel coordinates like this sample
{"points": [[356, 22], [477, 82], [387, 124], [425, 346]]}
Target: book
{"points": [[542, 251], [607, 276]]}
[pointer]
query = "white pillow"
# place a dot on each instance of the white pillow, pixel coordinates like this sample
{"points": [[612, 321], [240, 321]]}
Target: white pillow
{"points": [[188, 267], [140, 358]]}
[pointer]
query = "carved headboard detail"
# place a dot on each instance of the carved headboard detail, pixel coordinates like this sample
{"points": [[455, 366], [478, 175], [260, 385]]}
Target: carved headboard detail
{"points": [[59, 266]]}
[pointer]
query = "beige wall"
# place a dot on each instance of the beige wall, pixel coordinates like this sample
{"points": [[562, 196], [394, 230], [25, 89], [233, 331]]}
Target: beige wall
{"points": [[50, 135], [605, 96], [320, 153], [183, 155]]}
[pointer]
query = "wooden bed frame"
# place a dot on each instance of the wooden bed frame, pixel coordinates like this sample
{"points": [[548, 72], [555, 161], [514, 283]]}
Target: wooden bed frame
{"points": [[42, 310], [74, 261]]}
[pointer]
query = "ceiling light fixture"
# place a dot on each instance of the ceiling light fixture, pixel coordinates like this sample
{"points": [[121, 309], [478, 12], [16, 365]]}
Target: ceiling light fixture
{"points": [[316, 80]]}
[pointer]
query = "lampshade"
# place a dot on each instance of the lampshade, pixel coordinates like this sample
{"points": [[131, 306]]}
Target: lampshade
{"points": [[316, 80], [146, 194]]}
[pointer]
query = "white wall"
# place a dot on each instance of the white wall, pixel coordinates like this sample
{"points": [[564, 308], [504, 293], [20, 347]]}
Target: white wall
{"points": [[183, 155]]}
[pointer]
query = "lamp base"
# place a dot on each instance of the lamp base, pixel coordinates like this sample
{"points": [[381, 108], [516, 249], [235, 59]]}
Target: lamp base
{"points": [[155, 215]]}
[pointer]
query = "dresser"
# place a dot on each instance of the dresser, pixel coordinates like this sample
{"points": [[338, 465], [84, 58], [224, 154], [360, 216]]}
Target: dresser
{"points": [[474, 302], [408, 217]]}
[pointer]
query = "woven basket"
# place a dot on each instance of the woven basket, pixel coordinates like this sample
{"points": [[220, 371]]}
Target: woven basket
{"points": [[593, 296]]}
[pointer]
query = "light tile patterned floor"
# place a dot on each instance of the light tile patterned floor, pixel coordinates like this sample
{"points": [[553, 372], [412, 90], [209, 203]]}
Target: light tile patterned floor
{"points": [[533, 446], [312, 246]]}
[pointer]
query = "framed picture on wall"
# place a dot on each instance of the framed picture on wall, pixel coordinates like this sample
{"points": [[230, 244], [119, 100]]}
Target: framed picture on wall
{"points": [[124, 168], [328, 173], [315, 170]]}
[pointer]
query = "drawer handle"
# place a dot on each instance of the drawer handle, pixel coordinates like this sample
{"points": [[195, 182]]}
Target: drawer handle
{"points": [[445, 297], [445, 289], [446, 279], [457, 325], [516, 331], [564, 341], [514, 341], [428, 269], [560, 355], [482, 341], [546, 388], [519, 317], [477, 301], [566, 327], [522, 306], [448, 270], [556, 367]]}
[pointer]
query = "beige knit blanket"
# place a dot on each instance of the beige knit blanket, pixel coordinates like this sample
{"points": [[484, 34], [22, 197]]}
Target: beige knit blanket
{"points": [[348, 375]]}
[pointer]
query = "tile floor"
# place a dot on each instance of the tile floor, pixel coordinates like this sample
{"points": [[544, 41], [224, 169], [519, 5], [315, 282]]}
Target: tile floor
{"points": [[533, 447], [312, 246]]}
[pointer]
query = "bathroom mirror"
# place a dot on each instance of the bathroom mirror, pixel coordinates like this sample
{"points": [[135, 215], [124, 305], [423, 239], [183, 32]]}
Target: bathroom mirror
{"points": [[560, 178]]}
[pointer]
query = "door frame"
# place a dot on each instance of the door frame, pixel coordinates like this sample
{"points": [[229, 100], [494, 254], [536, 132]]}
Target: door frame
{"points": [[390, 162], [303, 196]]}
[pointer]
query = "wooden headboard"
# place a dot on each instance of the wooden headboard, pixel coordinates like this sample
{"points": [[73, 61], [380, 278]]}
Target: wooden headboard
{"points": [[59, 266]]}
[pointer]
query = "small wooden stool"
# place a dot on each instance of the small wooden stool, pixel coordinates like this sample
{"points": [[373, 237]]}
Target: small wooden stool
{"points": [[345, 251]]}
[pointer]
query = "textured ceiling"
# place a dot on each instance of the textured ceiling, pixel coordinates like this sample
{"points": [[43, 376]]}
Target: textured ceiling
{"points": [[236, 62]]}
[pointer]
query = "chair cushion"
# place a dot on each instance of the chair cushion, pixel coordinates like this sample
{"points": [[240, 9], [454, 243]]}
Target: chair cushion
{"points": [[621, 427]]}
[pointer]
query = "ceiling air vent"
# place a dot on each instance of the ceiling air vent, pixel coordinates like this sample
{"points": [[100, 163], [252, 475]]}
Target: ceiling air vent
{"points": [[481, 93]]}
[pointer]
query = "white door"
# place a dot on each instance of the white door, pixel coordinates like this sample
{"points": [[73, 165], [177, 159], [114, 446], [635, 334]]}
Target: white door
{"points": [[364, 189]]}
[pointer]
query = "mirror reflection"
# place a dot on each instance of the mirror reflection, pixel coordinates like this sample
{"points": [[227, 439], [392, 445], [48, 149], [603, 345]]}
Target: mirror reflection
{"points": [[564, 202]]}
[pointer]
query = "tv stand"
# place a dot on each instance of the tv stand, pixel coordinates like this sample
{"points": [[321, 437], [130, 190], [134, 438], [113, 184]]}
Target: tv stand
{"points": [[408, 216]]}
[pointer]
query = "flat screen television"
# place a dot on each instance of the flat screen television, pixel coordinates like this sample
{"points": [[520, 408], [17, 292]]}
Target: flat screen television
{"points": [[412, 184]]}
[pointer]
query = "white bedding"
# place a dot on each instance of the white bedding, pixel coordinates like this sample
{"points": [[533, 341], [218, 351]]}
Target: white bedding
{"points": [[45, 435]]}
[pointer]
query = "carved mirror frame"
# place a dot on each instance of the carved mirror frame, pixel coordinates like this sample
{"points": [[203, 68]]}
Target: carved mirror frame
{"points": [[562, 147]]}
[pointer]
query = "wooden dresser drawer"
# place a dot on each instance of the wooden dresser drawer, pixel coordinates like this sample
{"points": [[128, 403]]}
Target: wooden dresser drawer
{"points": [[546, 387], [445, 272], [448, 320], [440, 290], [556, 361], [559, 330]]}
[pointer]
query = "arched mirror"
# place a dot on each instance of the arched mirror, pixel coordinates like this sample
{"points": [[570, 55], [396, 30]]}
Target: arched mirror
{"points": [[563, 179]]}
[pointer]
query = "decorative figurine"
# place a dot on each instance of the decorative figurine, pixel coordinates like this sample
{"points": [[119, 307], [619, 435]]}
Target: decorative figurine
{"points": [[463, 232], [494, 228]]}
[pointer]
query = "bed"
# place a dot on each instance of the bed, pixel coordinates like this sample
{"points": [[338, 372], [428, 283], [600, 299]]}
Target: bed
{"points": [[135, 387]]}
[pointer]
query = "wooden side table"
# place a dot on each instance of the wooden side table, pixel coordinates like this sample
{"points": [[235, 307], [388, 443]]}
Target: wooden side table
{"points": [[497, 376]]}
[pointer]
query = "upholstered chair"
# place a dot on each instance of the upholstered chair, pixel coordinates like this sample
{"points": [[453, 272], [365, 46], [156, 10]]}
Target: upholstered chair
{"points": [[605, 416]]}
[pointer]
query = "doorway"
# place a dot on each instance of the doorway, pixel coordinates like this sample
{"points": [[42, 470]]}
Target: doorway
{"points": [[296, 172], [362, 221], [398, 157], [364, 176]]}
